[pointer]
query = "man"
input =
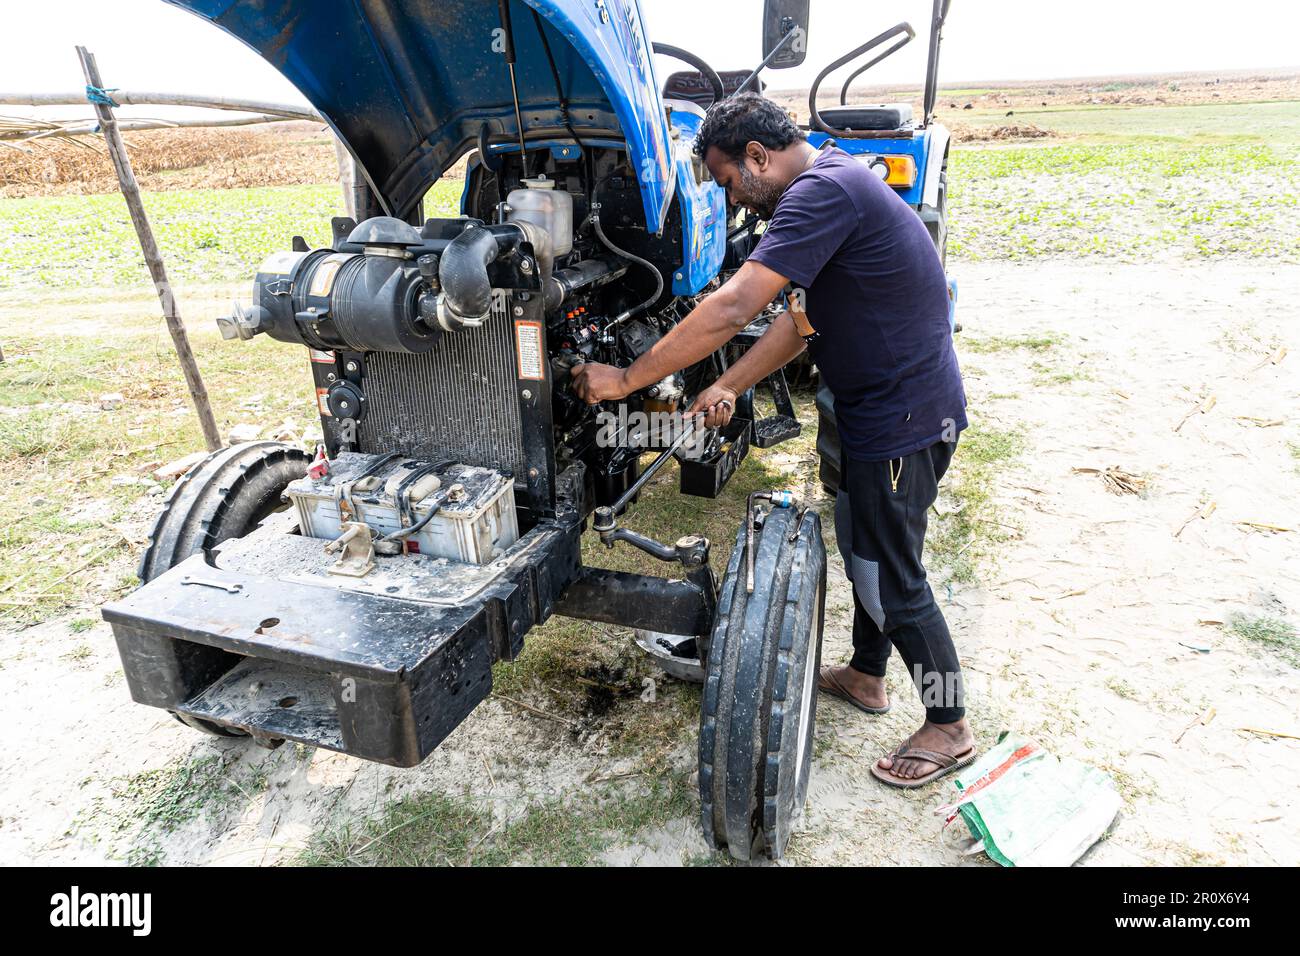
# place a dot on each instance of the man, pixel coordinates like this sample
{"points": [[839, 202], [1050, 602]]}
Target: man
{"points": [[876, 298]]}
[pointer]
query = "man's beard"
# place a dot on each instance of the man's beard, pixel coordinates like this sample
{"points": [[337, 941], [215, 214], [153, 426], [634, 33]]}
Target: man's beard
{"points": [[761, 196]]}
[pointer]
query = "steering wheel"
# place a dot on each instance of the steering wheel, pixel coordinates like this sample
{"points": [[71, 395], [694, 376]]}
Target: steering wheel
{"points": [[677, 53]]}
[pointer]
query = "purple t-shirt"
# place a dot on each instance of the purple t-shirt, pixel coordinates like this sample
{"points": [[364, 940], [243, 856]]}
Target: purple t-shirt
{"points": [[877, 295]]}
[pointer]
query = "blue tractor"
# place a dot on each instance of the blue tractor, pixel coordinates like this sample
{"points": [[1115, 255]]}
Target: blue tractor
{"points": [[357, 599]]}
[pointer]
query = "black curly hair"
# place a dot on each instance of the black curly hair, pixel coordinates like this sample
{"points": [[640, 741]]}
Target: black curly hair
{"points": [[742, 119]]}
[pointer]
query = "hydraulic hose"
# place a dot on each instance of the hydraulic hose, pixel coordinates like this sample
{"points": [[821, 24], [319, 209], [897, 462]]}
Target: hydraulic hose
{"points": [[659, 279], [581, 275]]}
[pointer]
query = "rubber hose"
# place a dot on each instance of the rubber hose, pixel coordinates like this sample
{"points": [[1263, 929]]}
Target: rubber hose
{"points": [[462, 272], [659, 279]]}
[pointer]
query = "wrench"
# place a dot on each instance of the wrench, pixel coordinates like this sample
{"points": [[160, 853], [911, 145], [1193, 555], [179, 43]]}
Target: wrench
{"points": [[211, 583]]}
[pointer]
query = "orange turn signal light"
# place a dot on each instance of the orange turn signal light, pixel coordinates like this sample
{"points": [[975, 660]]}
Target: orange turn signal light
{"points": [[902, 171]]}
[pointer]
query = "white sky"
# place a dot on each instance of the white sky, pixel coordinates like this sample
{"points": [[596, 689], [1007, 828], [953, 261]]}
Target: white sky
{"points": [[146, 44]]}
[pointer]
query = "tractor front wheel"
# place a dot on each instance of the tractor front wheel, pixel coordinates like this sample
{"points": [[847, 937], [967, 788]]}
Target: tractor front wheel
{"points": [[759, 704], [226, 495]]}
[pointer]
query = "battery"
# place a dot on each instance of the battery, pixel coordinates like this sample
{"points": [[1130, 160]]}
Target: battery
{"points": [[475, 520]]}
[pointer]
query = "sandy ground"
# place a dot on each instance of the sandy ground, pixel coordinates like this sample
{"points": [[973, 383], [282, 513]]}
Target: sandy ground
{"points": [[1076, 639]]}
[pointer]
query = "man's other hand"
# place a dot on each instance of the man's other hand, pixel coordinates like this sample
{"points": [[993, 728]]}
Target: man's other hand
{"points": [[599, 383], [716, 403]]}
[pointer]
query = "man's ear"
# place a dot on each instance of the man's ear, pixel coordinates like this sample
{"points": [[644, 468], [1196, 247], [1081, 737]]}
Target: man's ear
{"points": [[759, 154]]}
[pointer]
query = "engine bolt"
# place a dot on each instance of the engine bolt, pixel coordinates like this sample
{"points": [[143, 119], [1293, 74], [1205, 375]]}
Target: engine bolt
{"points": [[519, 310], [526, 394], [352, 366]]}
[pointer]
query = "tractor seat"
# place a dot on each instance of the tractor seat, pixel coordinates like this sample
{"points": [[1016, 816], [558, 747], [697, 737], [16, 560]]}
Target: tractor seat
{"points": [[876, 118]]}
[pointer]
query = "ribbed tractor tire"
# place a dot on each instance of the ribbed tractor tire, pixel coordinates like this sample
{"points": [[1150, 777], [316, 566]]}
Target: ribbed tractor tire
{"points": [[226, 495], [759, 705]]}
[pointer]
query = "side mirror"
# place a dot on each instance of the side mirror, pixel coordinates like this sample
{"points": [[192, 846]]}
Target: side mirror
{"points": [[780, 18]]}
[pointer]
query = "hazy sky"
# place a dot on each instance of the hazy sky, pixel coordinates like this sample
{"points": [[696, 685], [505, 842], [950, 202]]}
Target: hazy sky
{"points": [[146, 44]]}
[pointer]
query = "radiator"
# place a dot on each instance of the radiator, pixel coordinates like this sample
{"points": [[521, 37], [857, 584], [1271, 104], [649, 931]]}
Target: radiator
{"points": [[456, 401]]}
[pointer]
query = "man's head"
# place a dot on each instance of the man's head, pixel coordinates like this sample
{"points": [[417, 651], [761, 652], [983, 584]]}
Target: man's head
{"points": [[753, 150]]}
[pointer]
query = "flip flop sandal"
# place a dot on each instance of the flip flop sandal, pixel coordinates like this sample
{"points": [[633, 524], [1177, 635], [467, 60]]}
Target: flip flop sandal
{"points": [[947, 763], [828, 684]]}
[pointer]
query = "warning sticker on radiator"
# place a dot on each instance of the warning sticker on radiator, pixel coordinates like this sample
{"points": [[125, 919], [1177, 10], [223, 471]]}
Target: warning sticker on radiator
{"points": [[323, 401], [528, 346], [319, 356]]}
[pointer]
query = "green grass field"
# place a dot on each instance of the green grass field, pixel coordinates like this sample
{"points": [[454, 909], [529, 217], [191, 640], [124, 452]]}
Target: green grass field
{"points": [[207, 235], [1131, 184], [1129, 202]]}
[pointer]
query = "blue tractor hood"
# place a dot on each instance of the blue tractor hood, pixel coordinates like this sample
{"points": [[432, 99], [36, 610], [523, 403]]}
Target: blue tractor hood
{"points": [[409, 84]]}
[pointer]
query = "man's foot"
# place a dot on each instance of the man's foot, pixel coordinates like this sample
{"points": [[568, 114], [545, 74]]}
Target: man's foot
{"points": [[863, 691], [931, 752]]}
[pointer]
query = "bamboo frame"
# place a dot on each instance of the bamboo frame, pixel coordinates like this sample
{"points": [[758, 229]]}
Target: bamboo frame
{"points": [[152, 255]]}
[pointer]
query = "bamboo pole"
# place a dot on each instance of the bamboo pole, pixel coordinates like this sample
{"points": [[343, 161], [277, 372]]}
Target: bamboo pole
{"points": [[88, 127], [140, 98], [152, 255]]}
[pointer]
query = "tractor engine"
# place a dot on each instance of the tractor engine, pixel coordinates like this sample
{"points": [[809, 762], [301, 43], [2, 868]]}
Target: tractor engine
{"points": [[449, 346]]}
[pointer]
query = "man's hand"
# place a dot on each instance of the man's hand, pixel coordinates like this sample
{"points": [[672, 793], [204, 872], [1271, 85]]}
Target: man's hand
{"points": [[712, 324], [717, 404], [599, 383]]}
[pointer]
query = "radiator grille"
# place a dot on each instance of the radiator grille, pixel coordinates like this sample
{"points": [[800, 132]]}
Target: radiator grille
{"points": [[457, 401]]}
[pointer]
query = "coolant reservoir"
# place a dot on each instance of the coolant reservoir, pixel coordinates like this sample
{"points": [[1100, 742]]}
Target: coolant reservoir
{"points": [[540, 203]]}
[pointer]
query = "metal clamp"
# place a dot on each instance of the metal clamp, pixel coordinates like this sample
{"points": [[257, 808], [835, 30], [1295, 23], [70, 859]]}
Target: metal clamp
{"points": [[358, 550]]}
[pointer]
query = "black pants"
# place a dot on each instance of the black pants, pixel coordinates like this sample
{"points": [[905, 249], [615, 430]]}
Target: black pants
{"points": [[880, 522]]}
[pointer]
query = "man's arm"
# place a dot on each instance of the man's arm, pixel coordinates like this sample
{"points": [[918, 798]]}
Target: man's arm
{"points": [[709, 326], [774, 349]]}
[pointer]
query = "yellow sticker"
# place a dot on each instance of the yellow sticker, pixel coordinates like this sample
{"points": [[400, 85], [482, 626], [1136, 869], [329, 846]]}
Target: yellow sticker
{"points": [[323, 279], [528, 346]]}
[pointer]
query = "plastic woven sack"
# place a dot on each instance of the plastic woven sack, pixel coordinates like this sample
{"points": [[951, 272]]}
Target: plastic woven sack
{"points": [[1031, 808]]}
